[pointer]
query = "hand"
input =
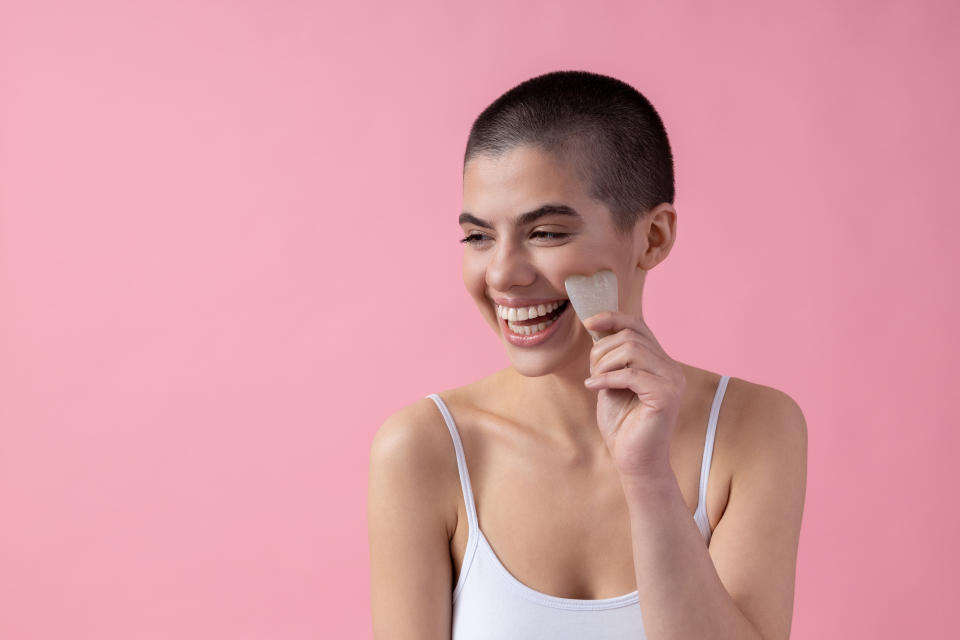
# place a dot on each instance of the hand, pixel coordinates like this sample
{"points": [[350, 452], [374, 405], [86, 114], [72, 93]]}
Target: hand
{"points": [[640, 389]]}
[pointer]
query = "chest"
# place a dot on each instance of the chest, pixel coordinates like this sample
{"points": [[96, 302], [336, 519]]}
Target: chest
{"points": [[560, 524]]}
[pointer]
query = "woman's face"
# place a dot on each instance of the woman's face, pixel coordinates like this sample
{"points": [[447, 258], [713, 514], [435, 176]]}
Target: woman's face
{"points": [[520, 260]]}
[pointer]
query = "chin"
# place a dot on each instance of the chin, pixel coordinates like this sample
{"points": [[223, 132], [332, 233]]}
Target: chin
{"points": [[529, 369], [534, 364]]}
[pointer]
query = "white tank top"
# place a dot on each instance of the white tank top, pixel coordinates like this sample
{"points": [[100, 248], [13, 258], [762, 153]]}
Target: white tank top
{"points": [[489, 603]]}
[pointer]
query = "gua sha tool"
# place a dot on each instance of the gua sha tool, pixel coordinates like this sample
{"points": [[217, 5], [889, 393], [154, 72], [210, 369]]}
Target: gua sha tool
{"points": [[590, 295]]}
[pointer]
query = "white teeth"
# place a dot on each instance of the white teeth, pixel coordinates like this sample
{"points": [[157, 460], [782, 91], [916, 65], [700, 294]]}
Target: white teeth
{"points": [[530, 329], [527, 313]]}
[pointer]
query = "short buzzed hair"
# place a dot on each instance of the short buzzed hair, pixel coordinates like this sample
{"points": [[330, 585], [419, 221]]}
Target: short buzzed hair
{"points": [[606, 129]]}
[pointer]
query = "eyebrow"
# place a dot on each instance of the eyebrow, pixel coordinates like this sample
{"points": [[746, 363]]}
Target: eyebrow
{"points": [[525, 218]]}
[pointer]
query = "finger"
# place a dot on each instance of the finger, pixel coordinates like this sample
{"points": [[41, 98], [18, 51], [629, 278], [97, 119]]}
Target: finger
{"points": [[609, 343], [628, 334], [633, 354], [618, 320], [650, 388]]}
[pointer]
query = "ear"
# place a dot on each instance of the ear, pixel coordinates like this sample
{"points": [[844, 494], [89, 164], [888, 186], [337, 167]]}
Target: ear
{"points": [[653, 236]]}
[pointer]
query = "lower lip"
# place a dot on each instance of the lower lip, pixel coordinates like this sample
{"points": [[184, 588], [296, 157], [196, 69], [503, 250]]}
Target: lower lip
{"points": [[530, 341]]}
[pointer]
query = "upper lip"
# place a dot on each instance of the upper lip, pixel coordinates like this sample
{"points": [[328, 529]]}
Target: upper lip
{"points": [[523, 302]]}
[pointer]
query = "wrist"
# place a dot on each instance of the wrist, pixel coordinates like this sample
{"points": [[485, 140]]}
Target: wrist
{"points": [[651, 480]]}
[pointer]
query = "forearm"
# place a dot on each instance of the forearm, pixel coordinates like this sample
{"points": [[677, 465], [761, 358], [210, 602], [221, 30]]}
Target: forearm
{"points": [[681, 595]]}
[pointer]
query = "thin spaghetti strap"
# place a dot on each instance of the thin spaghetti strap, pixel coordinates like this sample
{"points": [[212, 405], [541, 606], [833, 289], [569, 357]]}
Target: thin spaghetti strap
{"points": [[461, 462], [701, 514]]}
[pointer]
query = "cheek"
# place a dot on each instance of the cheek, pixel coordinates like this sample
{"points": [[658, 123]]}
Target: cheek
{"points": [[473, 276], [588, 255], [562, 264]]}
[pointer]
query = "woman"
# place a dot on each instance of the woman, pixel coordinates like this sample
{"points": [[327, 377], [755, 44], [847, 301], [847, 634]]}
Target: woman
{"points": [[590, 489]]}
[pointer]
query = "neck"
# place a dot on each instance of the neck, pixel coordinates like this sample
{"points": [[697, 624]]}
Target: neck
{"points": [[558, 405]]}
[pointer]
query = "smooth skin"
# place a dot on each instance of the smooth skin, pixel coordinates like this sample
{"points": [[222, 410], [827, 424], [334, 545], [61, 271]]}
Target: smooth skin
{"points": [[549, 494]]}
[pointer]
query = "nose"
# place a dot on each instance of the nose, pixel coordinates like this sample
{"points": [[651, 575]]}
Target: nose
{"points": [[509, 266]]}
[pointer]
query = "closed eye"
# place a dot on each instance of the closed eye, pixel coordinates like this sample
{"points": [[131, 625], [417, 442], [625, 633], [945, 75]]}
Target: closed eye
{"points": [[550, 234], [473, 238], [479, 237]]}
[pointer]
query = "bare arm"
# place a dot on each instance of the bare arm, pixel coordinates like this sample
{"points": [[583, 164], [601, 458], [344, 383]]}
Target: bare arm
{"points": [[410, 567], [742, 587]]}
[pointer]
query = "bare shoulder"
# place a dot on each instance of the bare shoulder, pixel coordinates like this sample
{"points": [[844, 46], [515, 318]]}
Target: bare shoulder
{"points": [[755, 420], [411, 517], [768, 447], [414, 442], [754, 546], [764, 417], [414, 429]]}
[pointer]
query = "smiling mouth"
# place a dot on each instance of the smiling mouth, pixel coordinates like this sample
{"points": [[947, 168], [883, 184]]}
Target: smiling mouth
{"points": [[533, 326], [530, 314]]}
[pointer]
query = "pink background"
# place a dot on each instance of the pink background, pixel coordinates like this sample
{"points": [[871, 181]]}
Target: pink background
{"points": [[229, 251]]}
